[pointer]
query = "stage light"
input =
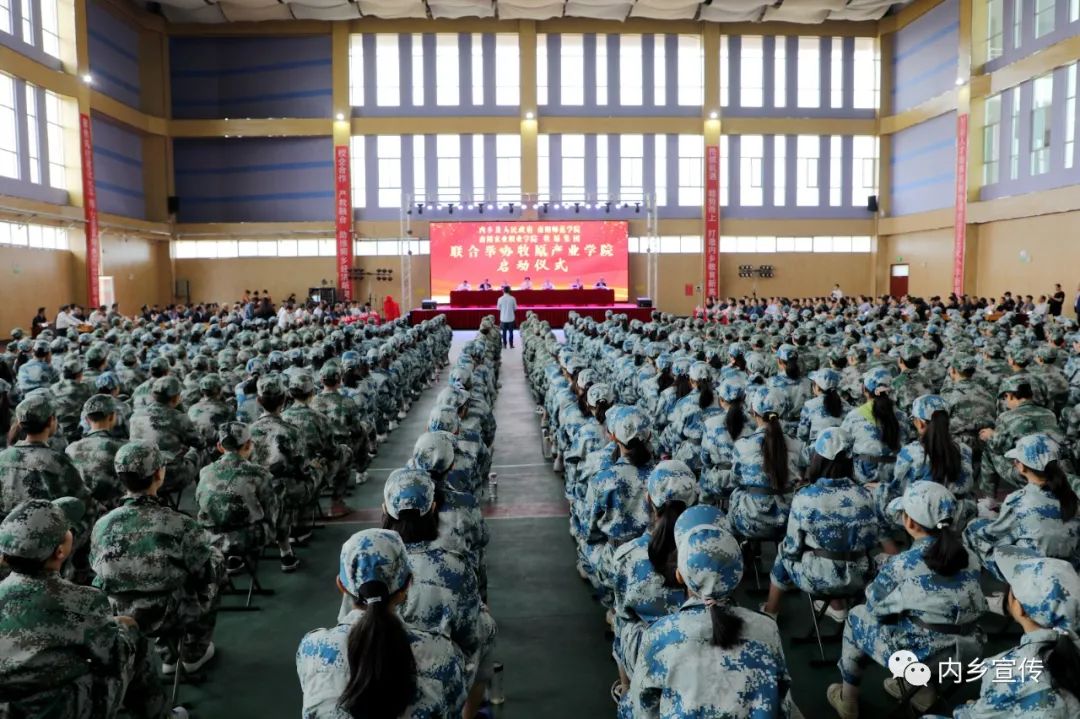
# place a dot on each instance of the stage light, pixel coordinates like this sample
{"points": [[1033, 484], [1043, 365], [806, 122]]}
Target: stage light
{"points": [[440, 205], [714, 115], [545, 207], [340, 116], [472, 206], [451, 208], [556, 206], [88, 79], [607, 208], [490, 206], [577, 208], [419, 208], [510, 207], [530, 115], [637, 207], [481, 208], [429, 207], [625, 205]]}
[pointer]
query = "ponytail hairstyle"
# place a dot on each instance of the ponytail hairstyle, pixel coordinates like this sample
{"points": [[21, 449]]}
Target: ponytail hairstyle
{"points": [[739, 361], [600, 411], [382, 668], [1062, 662], [735, 421], [726, 626], [707, 395], [885, 417], [946, 555], [832, 403], [774, 453], [662, 552], [1058, 484], [715, 362], [792, 369], [665, 380], [840, 467], [583, 403], [941, 450], [413, 526], [682, 386], [639, 453]]}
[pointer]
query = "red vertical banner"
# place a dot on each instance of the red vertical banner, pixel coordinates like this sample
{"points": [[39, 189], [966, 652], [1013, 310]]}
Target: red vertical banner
{"points": [[93, 239], [343, 220], [712, 220], [960, 217]]}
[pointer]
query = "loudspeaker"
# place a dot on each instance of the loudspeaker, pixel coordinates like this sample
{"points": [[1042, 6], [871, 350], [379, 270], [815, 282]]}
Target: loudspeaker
{"points": [[644, 301], [172, 203], [871, 203], [428, 304]]}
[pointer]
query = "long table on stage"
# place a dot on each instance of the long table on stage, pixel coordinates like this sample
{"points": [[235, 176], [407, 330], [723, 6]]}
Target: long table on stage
{"points": [[468, 318], [534, 298]]}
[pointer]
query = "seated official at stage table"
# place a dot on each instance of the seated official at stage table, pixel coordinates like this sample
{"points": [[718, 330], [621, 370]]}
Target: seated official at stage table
{"points": [[526, 284], [576, 284], [600, 284], [485, 285], [548, 285], [464, 286]]}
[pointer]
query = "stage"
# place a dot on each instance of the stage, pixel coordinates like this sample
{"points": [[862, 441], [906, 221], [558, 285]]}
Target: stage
{"points": [[468, 318]]}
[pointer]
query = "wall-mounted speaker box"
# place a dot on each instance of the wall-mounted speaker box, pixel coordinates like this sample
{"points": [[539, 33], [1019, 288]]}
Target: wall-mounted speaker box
{"points": [[871, 203], [644, 301], [428, 304], [172, 203]]}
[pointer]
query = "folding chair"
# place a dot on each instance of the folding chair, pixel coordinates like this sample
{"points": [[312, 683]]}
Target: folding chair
{"points": [[250, 567], [817, 615]]}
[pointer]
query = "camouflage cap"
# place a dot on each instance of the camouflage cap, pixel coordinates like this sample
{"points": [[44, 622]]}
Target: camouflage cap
{"points": [[41, 347], [831, 441], [731, 390], [302, 382], [1035, 451], [878, 381], [672, 481], [1046, 354], [709, 559], [167, 386], [928, 503], [100, 404], [700, 371], [444, 419], [910, 352], [1020, 355], [825, 379], [600, 392], [787, 352], [233, 435], [627, 423], [140, 458], [434, 452], [925, 406], [211, 382], [17, 333], [1012, 384], [24, 346], [964, 363], [408, 489], [160, 364], [375, 558], [1047, 589], [330, 372], [770, 401], [35, 409], [270, 386], [34, 529], [96, 353], [106, 382]]}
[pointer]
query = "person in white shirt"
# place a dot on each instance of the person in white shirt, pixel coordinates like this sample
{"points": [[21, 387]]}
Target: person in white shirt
{"points": [[464, 286], [1042, 307], [837, 293], [284, 317], [64, 319], [547, 285], [507, 315], [526, 285], [576, 284], [97, 317]]}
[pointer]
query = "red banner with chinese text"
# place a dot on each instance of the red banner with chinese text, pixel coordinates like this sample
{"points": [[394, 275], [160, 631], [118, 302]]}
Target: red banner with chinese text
{"points": [[960, 218], [712, 220], [90, 214], [557, 251], [343, 221]]}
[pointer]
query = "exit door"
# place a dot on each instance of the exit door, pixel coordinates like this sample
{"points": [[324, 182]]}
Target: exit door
{"points": [[898, 280]]}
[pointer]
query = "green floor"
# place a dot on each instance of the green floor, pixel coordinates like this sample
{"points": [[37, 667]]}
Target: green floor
{"points": [[551, 633]]}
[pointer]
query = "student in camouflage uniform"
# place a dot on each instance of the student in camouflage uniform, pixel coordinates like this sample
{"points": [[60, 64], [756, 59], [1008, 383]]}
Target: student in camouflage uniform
{"points": [[211, 411], [342, 417], [160, 422], [1021, 418], [909, 383], [38, 372], [93, 455], [236, 501], [69, 396], [971, 406], [156, 564], [66, 656]]}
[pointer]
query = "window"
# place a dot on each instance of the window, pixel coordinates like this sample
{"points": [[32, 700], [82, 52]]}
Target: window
{"points": [[5, 16], [417, 53], [477, 50], [447, 79], [287, 248], [50, 28], [603, 186], [1070, 114], [725, 71], [54, 136], [751, 71], [507, 69], [691, 170], [479, 188], [725, 176], [991, 139], [359, 170], [770, 245], [541, 69], [1042, 96], [508, 167], [1018, 22], [780, 72], [867, 74], [668, 244], [864, 161], [632, 167], [572, 69], [420, 193], [602, 70], [448, 152], [356, 69], [807, 155], [659, 70], [543, 167], [1074, 10], [779, 170], [836, 188], [836, 73], [9, 158], [751, 158], [995, 29], [42, 237], [1014, 144], [1044, 17], [33, 133], [388, 150], [660, 184], [691, 71], [573, 167], [26, 8], [630, 69], [809, 89], [387, 71]]}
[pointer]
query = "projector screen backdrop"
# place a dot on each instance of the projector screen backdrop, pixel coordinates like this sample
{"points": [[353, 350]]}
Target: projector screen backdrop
{"points": [[508, 252]]}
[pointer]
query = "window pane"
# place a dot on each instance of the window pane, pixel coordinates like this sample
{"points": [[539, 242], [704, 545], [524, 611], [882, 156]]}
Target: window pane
{"points": [[746, 244], [365, 248], [387, 71], [307, 248], [448, 148], [809, 90], [670, 245], [632, 167], [995, 29], [417, 69], [1014, 141], [447, 79], [573, 167], [543, 168], [603, 70], [287, 248], [750, 72], [1070, 113], [387, 248], [661, 185], [630, 69], [807, 191], [356, 69], [867, 75], [860, 244], [804, 244], [779, 170], [572, 69], [420, 193], [823, 244], [54, 136], [5, 16], [33, 133], [388, 148], [991, 139], [785, 244], [507, 68], [541, 69], [184, 249], [359, 170], [226, 248], [1044, 17], [508, 167], [780, 72], [728, 244], [725, 71], [1042, 97], [327, 248], [841, 244], [268, 248], [691, 71], [9, 160], [691, 245], [864, 168], [836, 73], [766, 244], [835, 171], [750, 180], [659, 70], [477, 69], [247, 248], [691, 170]]}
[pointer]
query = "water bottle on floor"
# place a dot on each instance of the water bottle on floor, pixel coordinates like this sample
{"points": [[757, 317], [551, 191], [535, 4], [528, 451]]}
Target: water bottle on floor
{"points": [[493, 482], [496, 693]]}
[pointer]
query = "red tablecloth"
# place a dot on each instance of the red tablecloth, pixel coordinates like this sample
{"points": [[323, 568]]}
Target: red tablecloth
{"points": [[533, 298], [468, 318]]}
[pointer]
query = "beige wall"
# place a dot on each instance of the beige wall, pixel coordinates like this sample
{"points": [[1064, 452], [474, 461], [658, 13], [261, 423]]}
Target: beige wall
{"points": [[134, 264], [32, 279], [1052, 255], [226, 280], [797, 274], [928, 256]]}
